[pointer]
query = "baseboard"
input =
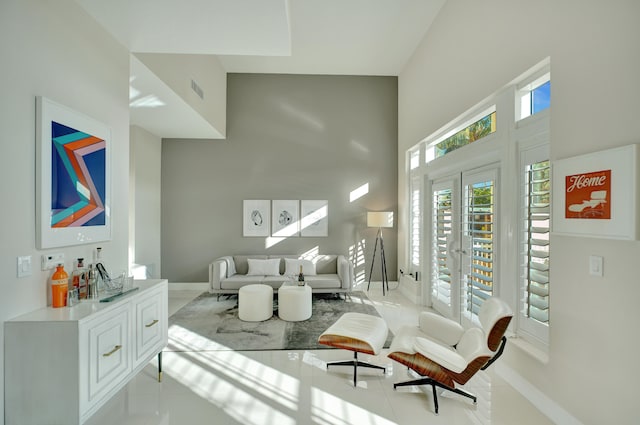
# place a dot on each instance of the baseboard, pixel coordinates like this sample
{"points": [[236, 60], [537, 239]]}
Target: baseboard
{"points": [[556, 413], [188, 286]]}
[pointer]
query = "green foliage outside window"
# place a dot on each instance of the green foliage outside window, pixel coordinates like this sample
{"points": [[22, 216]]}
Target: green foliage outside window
{"points": [[479, 129]]}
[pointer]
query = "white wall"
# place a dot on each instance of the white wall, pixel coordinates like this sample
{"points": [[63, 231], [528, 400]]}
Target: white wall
{"points": [[177, 71], [53, 49], [472, 50], [146, 156]]}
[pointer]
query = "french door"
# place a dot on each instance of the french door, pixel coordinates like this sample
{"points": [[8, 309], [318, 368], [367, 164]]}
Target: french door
{"points": [[463, 242]]}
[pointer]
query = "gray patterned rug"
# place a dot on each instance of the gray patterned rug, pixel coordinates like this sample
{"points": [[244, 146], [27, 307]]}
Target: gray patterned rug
{"points": [[207, 324]]}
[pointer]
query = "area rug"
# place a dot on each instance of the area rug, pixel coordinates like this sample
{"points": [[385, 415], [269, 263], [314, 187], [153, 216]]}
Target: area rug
{"points": [[206, 324]]}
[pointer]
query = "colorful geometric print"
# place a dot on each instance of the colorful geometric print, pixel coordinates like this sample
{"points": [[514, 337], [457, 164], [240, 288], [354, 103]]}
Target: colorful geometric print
{"points": [[78, 178]]}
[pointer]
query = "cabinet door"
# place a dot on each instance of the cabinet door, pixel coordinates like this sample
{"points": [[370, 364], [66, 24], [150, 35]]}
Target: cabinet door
{"points": [[109, 340], [149, 326]]}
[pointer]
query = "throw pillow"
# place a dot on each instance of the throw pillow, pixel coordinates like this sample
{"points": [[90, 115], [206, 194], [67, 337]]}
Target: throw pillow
{"points": [[292, 267], [263, 267]]}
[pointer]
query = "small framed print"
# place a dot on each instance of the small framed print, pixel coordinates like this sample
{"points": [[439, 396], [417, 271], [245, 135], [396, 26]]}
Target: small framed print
{"points": [[285, 218], [256, 217], [314, 220]]}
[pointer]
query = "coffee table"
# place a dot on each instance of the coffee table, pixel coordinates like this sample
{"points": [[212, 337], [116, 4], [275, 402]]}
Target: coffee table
{"points": [[294, 302]]}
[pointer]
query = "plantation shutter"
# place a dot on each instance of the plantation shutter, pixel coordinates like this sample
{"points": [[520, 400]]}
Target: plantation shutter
{"points": [[535, 249]]}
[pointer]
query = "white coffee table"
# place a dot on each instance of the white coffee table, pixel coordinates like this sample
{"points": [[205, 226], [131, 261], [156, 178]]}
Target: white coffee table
{"points": [[294, 302]]}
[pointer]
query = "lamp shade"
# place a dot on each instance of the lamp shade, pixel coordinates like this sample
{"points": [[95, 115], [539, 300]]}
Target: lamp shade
{"points": [[380, 219]]}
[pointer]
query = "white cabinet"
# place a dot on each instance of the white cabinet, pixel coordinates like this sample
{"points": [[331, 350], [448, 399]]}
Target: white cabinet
{"points": [[62, 364]]}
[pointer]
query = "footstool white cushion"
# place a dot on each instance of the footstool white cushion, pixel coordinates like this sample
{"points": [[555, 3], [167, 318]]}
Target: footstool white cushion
{"points": [[294, 302], [357, 332], [255, 302]]}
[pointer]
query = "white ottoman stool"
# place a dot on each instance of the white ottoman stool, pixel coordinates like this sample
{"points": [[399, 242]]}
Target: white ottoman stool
{"points": [[255, 302], [294, 302]]}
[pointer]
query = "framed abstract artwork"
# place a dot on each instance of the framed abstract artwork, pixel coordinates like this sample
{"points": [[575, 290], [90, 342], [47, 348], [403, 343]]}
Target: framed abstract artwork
{"points": [[256, 217], [285, 218], [596, 195], [73, 177], [314, 221]]}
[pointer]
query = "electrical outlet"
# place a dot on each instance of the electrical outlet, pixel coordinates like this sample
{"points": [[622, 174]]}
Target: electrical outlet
{"points": [[50, 261]]}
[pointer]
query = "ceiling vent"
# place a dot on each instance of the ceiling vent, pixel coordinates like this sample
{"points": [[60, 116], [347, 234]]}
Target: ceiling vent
{"points": [[196, 88]]}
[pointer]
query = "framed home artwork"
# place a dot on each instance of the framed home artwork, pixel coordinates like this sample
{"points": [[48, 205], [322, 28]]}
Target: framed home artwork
{"points": [[596, 194]]}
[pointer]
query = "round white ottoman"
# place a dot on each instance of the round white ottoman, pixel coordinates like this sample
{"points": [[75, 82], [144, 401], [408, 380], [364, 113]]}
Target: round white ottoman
{"points": [[255, 302], [294, 302]]}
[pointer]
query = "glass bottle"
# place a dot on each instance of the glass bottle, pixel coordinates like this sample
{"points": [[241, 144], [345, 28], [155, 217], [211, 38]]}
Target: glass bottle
{"points": [[59, 287], [79, 279]]}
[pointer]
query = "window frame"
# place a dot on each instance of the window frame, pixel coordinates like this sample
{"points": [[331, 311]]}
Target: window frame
{"points": [[532, 150], [513, 136]]}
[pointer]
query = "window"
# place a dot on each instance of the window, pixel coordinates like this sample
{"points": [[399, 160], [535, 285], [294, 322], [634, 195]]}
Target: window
{"points": [[466, 258], [536, 249], [414, 159], [442, 228], [416, 224], [535, 96], [475, 131], [478, 231], [535, 243]]}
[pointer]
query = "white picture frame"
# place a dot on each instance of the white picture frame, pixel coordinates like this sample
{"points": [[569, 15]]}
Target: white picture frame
{"points": [[256, 219], [620, 220], [73, 177], [285, 218], [314, 221]]}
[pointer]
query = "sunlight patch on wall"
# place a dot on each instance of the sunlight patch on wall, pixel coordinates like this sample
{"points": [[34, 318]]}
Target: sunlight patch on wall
{"points": [[356, 256], [312, 254], [359, 192]]}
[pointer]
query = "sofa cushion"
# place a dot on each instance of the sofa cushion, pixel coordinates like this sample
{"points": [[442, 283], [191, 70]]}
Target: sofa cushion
{"points": [[326, 264], [292, 267], [322, 281], [242, 267], [239, 280], [259, 267]]}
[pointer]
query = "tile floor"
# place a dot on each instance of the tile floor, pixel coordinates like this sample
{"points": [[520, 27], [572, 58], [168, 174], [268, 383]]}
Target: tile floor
{"points": [[294, 387]]}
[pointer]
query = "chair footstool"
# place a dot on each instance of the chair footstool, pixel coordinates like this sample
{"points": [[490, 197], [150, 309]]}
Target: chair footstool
{"points": [[357, 332]]}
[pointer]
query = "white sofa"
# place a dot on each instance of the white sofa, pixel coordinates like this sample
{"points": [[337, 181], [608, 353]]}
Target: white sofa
{"points": [[333, 273]]}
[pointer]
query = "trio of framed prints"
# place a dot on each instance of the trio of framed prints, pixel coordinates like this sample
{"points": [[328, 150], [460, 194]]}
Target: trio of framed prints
{"points": [[285, 218]]}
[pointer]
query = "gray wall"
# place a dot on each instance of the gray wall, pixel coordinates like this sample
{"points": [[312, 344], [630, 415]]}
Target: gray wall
{"points": [[288, 137]]}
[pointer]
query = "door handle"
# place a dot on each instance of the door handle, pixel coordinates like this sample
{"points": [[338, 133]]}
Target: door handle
{"points": [[151, 324]]}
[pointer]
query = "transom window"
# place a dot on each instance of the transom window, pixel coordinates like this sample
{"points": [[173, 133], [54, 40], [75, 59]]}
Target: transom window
{"points": [[475, 131], [535, 96]]}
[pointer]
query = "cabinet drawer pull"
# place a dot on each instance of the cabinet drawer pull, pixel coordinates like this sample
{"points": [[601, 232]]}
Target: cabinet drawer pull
{"points": [[116, 348], [151, 324]]}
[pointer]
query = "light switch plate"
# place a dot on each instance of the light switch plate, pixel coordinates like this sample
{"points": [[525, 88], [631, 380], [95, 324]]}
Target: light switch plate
{"points": [[596, 264], [24, 266]]}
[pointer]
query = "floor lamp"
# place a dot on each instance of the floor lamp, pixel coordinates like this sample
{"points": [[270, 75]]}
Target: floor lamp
{"points": [[380, 219]]}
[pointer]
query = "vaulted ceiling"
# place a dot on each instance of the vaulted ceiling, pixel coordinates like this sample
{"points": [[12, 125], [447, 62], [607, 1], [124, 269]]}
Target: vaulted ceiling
{"points": [[339, 37]]}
